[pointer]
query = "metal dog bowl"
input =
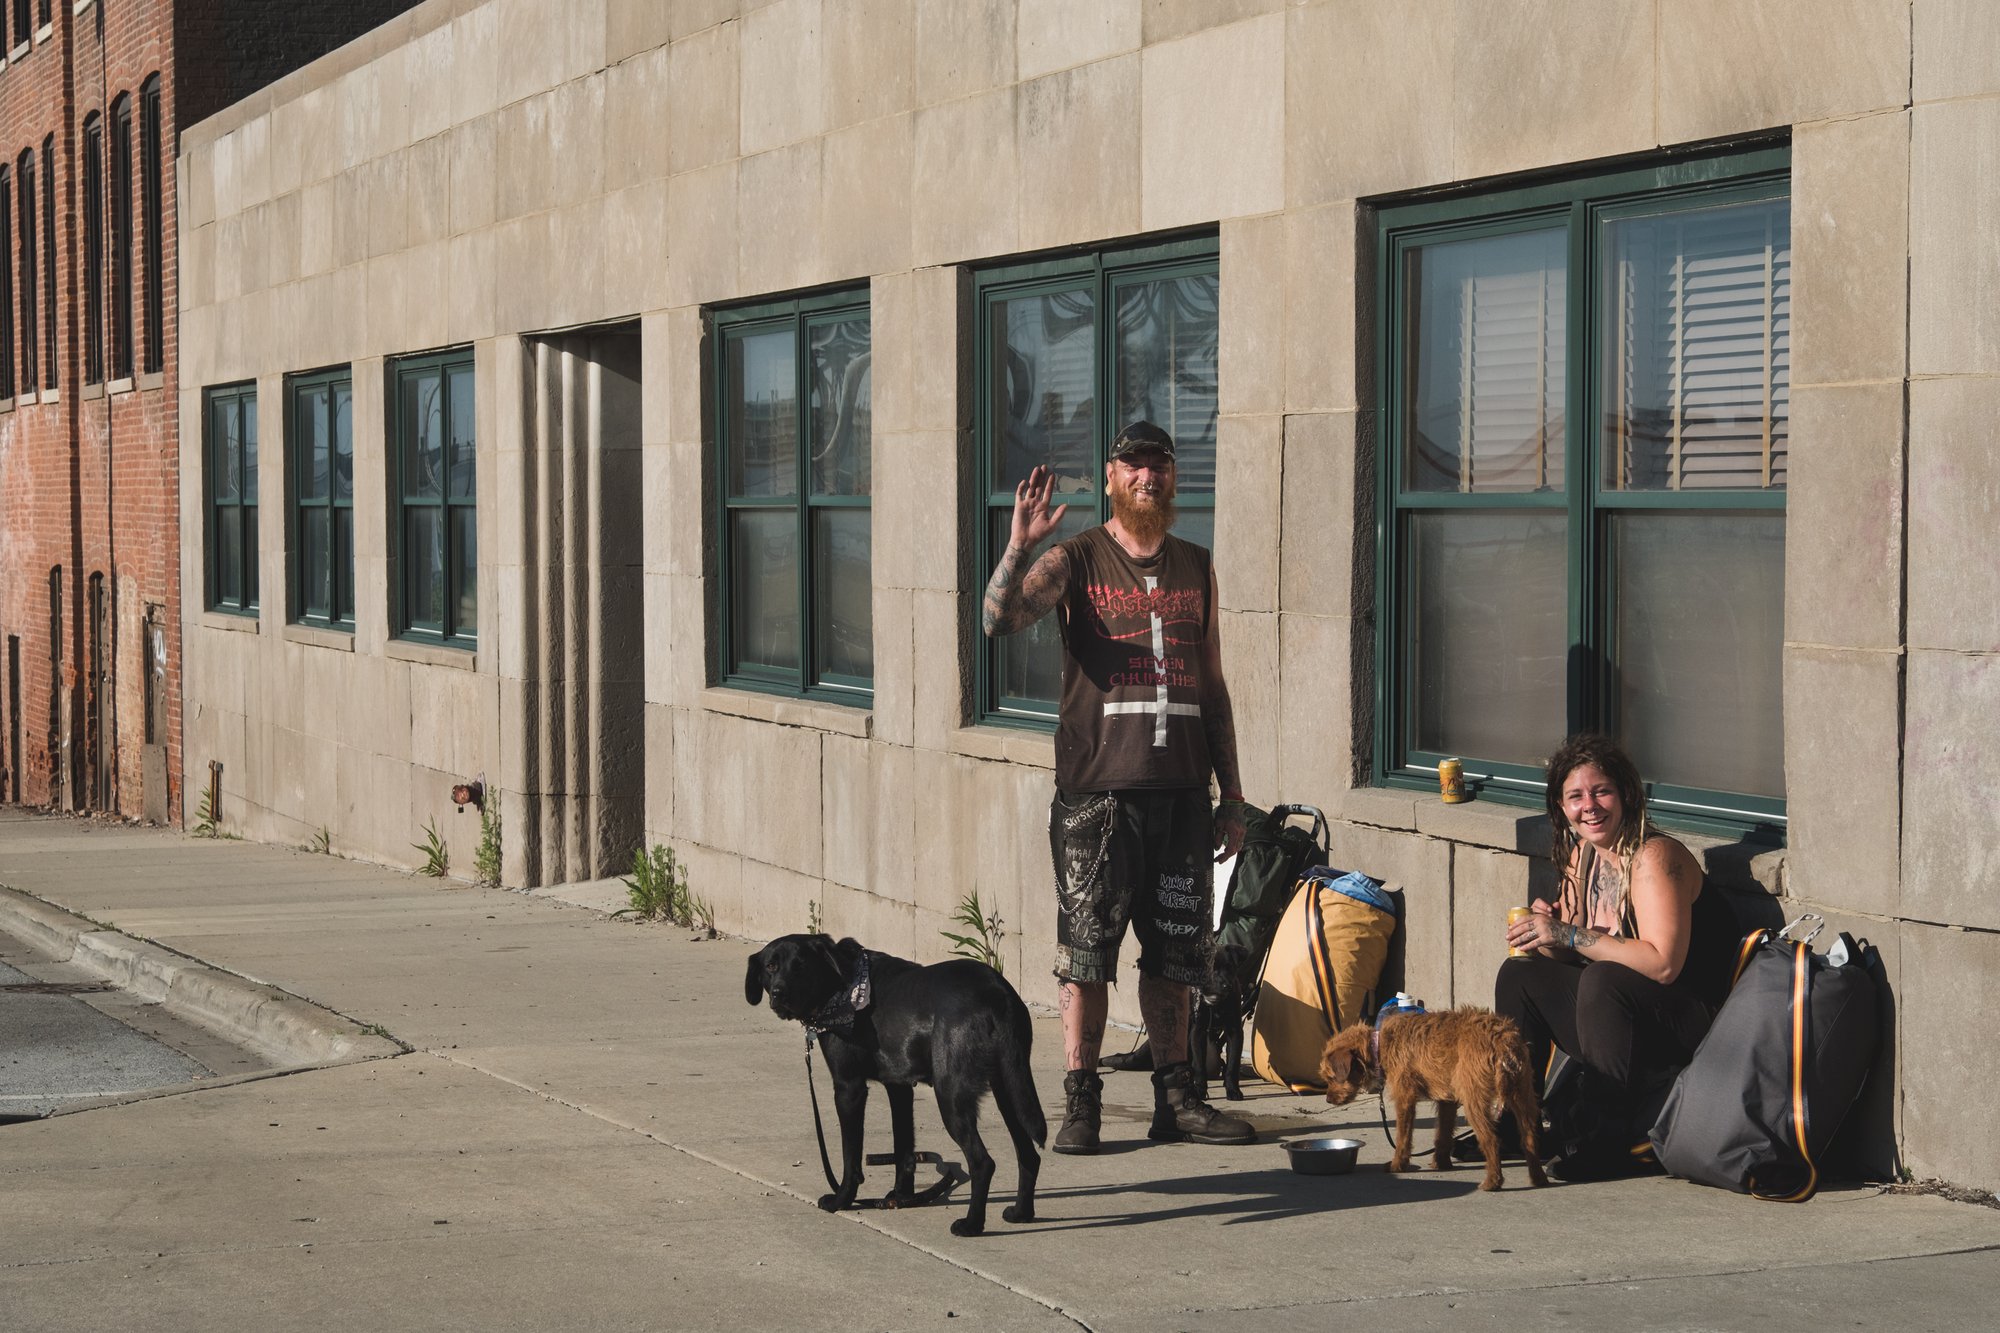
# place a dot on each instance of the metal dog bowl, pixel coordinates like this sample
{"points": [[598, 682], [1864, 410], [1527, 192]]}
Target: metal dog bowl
{"points": [[1323, 1157]]}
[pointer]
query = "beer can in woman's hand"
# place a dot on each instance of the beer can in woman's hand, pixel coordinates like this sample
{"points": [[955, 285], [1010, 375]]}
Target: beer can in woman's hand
{"points": [[1518, 914]]}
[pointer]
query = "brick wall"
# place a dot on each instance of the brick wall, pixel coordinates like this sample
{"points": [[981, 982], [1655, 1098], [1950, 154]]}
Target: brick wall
{"points": [[89, 473]]}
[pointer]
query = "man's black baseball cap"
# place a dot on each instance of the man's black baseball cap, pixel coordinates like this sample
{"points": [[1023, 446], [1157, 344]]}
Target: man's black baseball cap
{"points": [[1142, 437]]}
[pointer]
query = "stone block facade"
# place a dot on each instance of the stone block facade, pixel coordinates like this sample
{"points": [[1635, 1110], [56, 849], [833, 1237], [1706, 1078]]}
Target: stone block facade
{"points": [[499, 174]]}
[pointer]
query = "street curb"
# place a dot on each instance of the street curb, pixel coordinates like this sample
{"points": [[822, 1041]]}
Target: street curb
{"points": [[279, 1026]]}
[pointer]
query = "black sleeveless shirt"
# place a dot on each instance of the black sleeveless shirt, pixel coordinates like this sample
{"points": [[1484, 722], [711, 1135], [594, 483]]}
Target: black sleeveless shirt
{"points": [[1133, 635]]}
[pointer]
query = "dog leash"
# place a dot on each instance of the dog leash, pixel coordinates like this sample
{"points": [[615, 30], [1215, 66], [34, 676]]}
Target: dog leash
{"points": [[950, 1174], [819, 1130]]}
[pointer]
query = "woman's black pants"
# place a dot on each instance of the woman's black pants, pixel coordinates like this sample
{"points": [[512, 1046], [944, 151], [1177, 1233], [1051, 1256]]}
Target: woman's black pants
{"points": [[1631, 1029]]}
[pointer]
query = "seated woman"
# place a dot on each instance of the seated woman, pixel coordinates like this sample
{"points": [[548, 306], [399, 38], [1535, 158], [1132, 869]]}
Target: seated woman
{"points": [[1624, 972]]}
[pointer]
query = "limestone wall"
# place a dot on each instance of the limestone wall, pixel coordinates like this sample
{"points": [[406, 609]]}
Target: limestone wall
{"points": [[475, 171]]}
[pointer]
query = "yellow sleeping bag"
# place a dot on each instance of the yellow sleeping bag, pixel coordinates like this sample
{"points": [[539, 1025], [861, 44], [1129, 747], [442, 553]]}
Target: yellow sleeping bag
{"points": [[1321, 973]]}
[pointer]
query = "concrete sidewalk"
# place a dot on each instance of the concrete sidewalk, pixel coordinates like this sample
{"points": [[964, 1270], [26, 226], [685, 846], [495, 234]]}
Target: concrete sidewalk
{"points": [[593, 1130]]}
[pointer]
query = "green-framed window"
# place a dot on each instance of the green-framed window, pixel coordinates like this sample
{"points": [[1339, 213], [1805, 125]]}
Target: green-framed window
{"points": [[794, 406], [229, 420], [1068, 351], [319, 432], [436, 489], [1585, 402]]}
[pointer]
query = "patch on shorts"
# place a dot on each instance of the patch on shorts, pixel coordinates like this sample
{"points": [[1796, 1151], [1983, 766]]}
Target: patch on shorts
{"points": [[1084, 845]]}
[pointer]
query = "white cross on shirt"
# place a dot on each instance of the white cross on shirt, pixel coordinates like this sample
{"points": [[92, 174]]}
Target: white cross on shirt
{"points": [[1159, 708]]}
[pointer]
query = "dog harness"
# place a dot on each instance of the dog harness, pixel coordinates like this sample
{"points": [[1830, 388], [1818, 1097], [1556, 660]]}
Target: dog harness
{"points": [[838, 1013]]}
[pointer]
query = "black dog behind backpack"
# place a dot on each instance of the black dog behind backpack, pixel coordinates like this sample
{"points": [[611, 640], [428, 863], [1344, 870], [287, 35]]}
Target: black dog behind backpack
{"points": [[1274, 854], [1778, 1071]]}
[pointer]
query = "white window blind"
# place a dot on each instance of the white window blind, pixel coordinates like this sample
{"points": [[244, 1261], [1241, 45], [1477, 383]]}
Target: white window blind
{"points": [[1698, 381], [1490, 338]]}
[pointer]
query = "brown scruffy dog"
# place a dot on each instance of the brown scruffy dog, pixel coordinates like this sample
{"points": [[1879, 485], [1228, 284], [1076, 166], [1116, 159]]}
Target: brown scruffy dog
{"points": [[1456, 1057]]}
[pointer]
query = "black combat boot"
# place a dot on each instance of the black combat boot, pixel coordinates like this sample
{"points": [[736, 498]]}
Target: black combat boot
{"points": [[1180, 1113], [1083, 1091]]}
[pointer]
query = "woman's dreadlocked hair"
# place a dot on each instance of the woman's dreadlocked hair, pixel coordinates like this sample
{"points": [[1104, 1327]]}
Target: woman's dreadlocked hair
{"points": [[1604, 754]]}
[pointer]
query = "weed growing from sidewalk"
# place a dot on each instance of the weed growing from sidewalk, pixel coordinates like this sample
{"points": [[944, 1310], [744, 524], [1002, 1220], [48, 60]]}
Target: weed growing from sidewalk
{"points": [[983, 944], [322, 842], [437, 857], [814, 924], [486, 860], [204, 815], [657, 888]]}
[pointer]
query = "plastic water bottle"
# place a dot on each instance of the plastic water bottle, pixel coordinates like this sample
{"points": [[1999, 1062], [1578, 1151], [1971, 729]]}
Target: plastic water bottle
{"points": [[1401, 1003]]}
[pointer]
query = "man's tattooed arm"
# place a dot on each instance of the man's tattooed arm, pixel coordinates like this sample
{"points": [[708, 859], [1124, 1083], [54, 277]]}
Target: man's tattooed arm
{"points": [[1015, 601]]}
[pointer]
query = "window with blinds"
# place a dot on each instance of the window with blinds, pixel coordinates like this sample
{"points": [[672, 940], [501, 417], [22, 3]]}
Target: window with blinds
{"points": [[1586, 407], [1487, 340], [1698, 355]]}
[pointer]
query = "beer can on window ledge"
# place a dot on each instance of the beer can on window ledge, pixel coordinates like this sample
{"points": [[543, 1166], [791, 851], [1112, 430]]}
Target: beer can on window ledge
{"points": [[1451, 781]]}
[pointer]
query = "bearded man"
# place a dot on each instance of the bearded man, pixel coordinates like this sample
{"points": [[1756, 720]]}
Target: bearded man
{"points": [[1144, 722]]}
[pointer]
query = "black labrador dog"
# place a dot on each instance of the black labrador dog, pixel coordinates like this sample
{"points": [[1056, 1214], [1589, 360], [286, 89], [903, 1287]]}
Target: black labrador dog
{"points": [[956, 1025]]}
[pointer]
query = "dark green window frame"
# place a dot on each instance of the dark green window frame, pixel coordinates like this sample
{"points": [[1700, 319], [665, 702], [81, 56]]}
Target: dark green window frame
{"points": [[319, 444], [435, 488], [229, 428], [1101, 275], [1580, 208], [797, 506]]}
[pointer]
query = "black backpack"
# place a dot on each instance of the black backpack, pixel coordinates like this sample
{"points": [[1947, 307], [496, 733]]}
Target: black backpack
{"points": [[1775, 1076], [1276, 853]]}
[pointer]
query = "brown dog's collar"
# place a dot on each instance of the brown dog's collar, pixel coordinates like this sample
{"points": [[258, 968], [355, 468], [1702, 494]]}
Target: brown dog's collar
{"points": [[838, 1013]]}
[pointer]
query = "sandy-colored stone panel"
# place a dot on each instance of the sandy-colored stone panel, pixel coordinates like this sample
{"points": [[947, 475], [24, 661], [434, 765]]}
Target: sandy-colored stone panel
{"points": [[702, 236], [967, 45], [894, 612], [967, 159], [635, 26], [1251, 351], [870, 59], [1842, 718], [1946, 1004], [702, 84], [1250, 663], [1522, 98], [943, 674], [1844, 526], [1728, 68], [1213, 124], [1850, 249], [1250, 458], [1059, 34], [1350, 130], [1079, 148], [1951, 842], [1164, 20], [638, 120], [1321, 532], [1954, 265], [1327, 362], [782, 88], [1315, 712], [1954, 580], [780, 250]]}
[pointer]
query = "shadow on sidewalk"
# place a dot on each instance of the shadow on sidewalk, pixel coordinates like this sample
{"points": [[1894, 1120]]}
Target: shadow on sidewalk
{"points": [[1251, 1196]]}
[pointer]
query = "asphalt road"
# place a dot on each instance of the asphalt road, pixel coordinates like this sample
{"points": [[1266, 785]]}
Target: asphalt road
{"points": [[66, 1039]]}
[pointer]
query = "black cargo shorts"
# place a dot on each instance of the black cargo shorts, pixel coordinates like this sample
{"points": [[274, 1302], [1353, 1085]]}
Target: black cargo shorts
{"points": [[1146, 857]]}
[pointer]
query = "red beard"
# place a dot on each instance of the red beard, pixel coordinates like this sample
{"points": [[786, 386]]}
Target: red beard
{"points": [[1146, 517]]}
